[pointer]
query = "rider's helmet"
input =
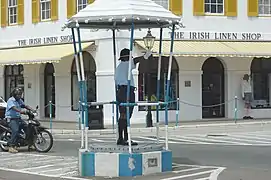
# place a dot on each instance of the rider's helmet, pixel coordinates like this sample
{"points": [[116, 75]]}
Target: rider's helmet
{"points": [[17, 93]]}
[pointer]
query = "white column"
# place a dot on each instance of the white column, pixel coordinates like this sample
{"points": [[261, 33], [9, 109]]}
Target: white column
{"points": [[191, 95]]}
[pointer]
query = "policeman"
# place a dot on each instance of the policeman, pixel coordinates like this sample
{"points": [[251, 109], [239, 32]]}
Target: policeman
{"points": [[121, 79]]}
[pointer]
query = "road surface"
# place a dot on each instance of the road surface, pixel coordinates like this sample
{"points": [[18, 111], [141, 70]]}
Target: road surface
{"points": [[241, 153]]}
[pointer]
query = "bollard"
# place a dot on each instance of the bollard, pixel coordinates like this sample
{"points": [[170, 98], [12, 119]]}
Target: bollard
{"points": [[177, 112], [235, 109], [50, 110], [79, 115], [113, 117]]}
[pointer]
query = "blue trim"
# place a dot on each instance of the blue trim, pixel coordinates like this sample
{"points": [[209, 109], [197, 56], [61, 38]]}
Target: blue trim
{"points": [[166, 161], [85, 101], [74, 41], [168, 80], [158, 80], [81, 101], [124, 169], [79, 40], [177, 112], [116, 87], [129, 80], [88, 164]]}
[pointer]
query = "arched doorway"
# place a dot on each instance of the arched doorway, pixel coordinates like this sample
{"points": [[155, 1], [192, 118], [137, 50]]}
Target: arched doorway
{"points": [[14, 77], [90, 74], [213, 92], [49, 88]]}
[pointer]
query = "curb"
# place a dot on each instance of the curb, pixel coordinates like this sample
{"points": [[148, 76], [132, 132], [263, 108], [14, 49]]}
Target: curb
{"points": [[153, 129]]}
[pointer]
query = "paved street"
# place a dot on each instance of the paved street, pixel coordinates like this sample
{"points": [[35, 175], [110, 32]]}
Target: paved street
{"points": [[241, 152]]}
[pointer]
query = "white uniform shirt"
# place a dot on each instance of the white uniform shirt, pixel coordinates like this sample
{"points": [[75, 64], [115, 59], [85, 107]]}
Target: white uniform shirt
{"points": [[246, 87], [121, 74]]}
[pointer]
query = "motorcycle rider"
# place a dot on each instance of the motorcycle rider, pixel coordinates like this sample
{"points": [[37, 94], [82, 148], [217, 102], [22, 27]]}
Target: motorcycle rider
{"points": [[13, 116]]}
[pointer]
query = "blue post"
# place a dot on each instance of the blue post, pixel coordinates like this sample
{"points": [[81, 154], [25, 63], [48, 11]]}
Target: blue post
{"points": [[177, 112], [235, 109], [116, 88], [50, 111], [80, 87], [128, 88], [158, 83], [79, 114], [84, 88], [168, 83], [113, 117]]}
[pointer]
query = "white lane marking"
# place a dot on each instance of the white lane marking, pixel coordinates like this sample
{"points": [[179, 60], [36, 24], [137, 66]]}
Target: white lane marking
{"points": [[238, 139], [186, 170], [69, 173], [214, 175], [26, 159], [37, 174], [207, 178], [58, 169], [258, 134], [38, 167], [188, 175], [181, 138], [189, 165], [202, 139], [98, 140], [254, 137], [153, 139]]}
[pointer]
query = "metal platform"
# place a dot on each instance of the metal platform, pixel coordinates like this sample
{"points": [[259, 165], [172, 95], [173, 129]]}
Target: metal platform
{"points": [[109, 147]]}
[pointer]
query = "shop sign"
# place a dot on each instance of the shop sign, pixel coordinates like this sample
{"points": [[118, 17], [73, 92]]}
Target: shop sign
{"points": [[201, 35], [45, 40]]}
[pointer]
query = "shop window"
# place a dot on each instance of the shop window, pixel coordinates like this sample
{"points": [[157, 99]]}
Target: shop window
{"points": [[12, 12], [45, 9], [90, 74], [214, 6], [13, 78], [144, 88], [264, 7], [81, 4], [163, 3], [261, 78]]}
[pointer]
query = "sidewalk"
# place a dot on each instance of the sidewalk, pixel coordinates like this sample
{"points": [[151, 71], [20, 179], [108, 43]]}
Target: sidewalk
{"points": [[64, 127]]}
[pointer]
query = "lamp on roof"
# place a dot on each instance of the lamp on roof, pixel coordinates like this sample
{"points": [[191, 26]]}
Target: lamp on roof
{"points": [[149, 40]]}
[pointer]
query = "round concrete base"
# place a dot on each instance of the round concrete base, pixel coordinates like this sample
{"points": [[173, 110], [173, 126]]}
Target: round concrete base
{"points": [[110, 160]]}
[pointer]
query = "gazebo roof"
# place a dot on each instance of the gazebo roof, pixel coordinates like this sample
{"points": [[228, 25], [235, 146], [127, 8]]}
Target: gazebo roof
{"points": [[119, 14]]}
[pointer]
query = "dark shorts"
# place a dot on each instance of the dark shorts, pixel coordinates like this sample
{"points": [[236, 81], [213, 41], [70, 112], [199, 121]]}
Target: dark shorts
{"points": [[248, 98], [122, 98]]}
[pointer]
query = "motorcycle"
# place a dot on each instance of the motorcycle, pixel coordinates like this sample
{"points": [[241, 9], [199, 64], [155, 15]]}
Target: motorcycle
{"points": [[33, 137]]}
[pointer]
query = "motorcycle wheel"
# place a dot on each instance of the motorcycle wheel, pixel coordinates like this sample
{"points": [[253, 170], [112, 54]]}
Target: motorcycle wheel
{"points": [[4, 137], [40, 140]]}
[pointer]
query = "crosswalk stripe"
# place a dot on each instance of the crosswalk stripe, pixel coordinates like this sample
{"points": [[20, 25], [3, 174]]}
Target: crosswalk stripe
{"points": [[152, 139], [38, 167], [188, 175], [249, 137], [207, 178], [186, 170], [181, 138], [204, 139], [238, 139]]}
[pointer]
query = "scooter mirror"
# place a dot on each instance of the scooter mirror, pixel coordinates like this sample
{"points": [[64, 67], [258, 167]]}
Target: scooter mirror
{"points": [[37, 107]]}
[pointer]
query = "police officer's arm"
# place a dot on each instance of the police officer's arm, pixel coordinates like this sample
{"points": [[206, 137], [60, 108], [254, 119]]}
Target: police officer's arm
{"points": [[138, 59], [142, 58]]}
